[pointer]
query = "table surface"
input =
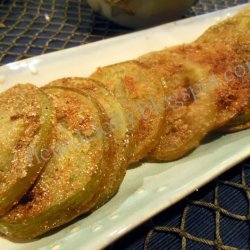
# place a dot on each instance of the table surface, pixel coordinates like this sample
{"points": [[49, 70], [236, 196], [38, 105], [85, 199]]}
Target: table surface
{"points": [[215, 217]]}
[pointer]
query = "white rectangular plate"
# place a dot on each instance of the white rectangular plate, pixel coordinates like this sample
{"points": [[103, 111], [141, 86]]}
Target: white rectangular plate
{"points": [[150, 188]]}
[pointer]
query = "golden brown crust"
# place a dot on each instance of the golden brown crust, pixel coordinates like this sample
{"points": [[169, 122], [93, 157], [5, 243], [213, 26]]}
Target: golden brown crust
{"points": [[72, 179], [231, 95], [234, 33], [182, 132], [212, 103], [121, 147], [142, 96], [26, 123]]}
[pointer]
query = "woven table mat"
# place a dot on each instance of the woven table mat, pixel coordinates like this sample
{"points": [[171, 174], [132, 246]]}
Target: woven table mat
{"points": [[215, 217]]}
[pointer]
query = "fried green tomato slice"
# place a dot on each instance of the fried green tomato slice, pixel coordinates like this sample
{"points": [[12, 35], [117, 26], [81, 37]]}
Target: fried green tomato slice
{"points": [[142, 96], [73, 176], [26, 123], [233, 96], [198, 97], [188, 111], [120, 150], [234, 32]]}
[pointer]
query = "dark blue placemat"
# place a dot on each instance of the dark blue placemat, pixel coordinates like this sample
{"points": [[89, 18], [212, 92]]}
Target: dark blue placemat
{"points": [[215, 217]]}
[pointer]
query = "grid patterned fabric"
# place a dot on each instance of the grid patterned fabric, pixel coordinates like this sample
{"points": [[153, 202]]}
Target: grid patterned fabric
{"points": [[30, 28], [215, 217]]}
